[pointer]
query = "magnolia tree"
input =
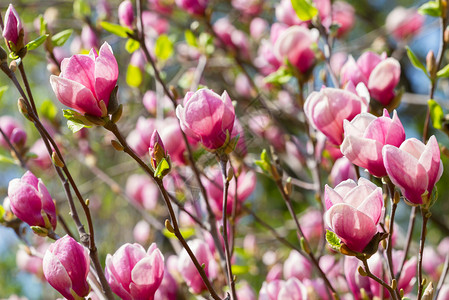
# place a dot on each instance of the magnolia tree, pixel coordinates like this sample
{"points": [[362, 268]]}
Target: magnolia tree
{"points": [[203, 149]]}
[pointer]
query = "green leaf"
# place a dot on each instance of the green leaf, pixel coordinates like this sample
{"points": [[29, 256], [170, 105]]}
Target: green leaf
{"points": [[48, 109], [75, 127], [132, 45], [281, 76], [304, 9], [6, 159], [61, 37], [190, 38], [164, 47], [3, 89], [133, 76], [333, 240], [444, 72], [36, 42], [75, 120], [2, 213], [81, 8], [264, 162], [436, 113], [431, 8], [116, 29], [239, 270], [415, 61], [43, 25], [162, 168], [186, 233]]}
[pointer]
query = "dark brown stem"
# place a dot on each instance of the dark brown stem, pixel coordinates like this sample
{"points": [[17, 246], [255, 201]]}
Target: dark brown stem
{"points": [[13, 149], [378, 280], [223, 162], [425, 217], [114, 129]]}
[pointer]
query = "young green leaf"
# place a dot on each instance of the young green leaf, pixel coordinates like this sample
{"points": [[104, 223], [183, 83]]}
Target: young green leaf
{"points": [[116, 29], [48, 109], [281, 76], [436, 113], [36, 42], [162, 169], [74, 126], [164, 47], [190, 38], [132, 45], [133, 76], [333, 240], [3, 89], [415, 61], [431, 8], [444, 72], [61, 37], [2, 213], [304, 9]]}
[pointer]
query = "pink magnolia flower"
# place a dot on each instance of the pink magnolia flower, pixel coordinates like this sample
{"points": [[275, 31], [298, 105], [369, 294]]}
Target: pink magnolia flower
{"points": [[263, 126], [139, 138], [174, 144], [414, 167], [188, 270], [245, 291], [134, 273], [66, 265], [12, 29], [343, 15], [379, 73], [126, 13], [30, 201], [365, 137], [356, 282], [85, 80], [246, 183], [162, 6], [353, 211], [207, 117], [13, 130], [292, 289], [327, 109], [231, 36], [249, 8], [312, 225], [258, 27], [141, 232], [297, 266], [141, 189], [295, 44], [42, 159], [341, 171], [154, 24], [404, 23], [168, 289], [193, 7], [89, 38]]}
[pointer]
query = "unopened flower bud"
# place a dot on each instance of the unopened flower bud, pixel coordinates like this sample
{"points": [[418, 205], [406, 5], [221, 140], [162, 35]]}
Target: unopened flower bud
{"points": [[13, 30], [431, 63], [157, 150], [126, 13]]}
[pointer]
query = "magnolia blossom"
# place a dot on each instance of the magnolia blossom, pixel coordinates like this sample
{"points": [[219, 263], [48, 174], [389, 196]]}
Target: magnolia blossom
{"points": [[292, 289], [353, 211], [295, 44], [246, 183], [207, 117], [13, 28], [85, 80], [13, 130], [414, 167], [365, 137], [379, 73], [341, 171], [327, 109], [297, 266], [66, 265], [142, 190], [404, 23], [194, 7], [31, 202], [126, 13], [188, 270], [134, 273]]}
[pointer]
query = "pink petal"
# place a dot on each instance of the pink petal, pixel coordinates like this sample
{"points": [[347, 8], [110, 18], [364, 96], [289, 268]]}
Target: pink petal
{"points": [[384, 79], [106, 73], [367, 62], [80, 68], [56, 274], [354, 228], [405, 172], [75, 95]]}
